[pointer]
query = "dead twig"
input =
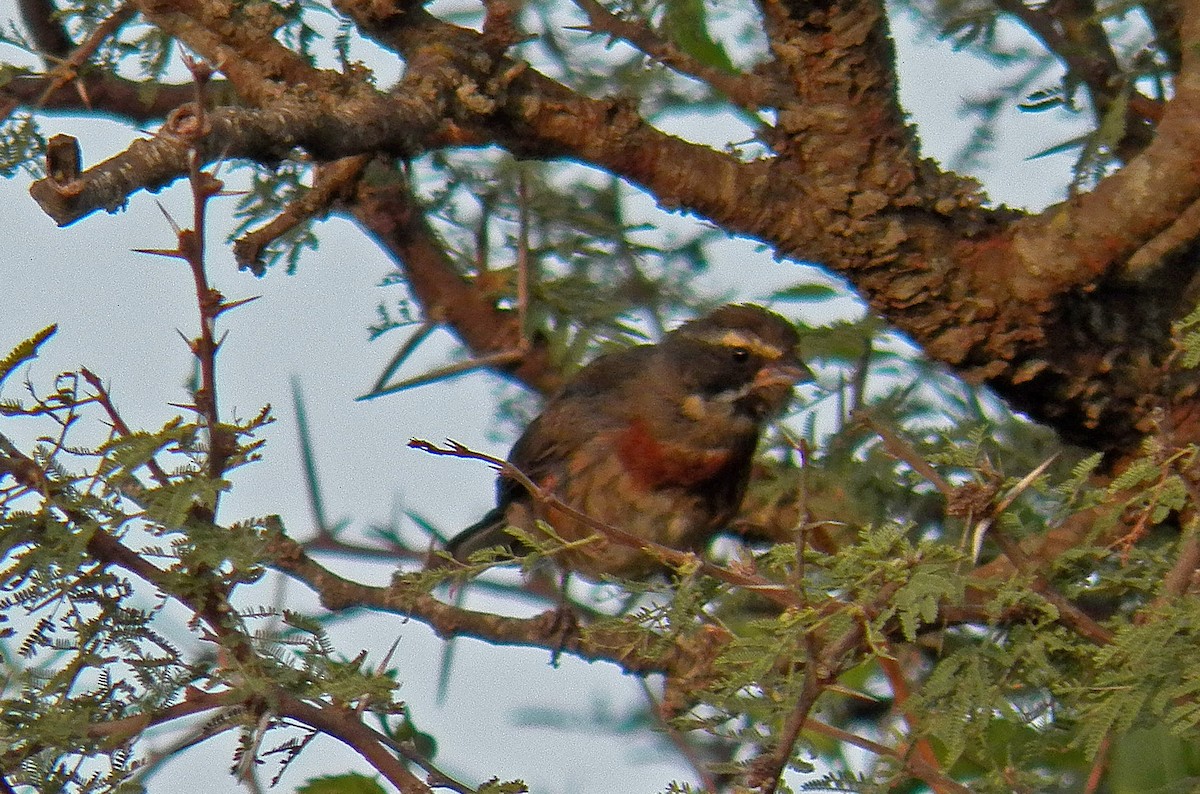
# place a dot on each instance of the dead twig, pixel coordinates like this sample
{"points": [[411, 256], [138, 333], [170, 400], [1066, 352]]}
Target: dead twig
{"points": [[773, 591], [333, 182]]}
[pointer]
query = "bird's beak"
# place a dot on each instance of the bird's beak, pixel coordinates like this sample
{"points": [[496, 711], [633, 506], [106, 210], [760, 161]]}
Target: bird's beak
{"points": [[783, 373]]}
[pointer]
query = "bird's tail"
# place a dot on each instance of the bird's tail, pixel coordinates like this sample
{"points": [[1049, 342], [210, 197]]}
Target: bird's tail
{"points": [[486, 533]]}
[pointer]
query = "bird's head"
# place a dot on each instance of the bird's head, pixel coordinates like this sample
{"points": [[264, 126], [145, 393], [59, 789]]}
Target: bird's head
{"points": [[741, 357]]}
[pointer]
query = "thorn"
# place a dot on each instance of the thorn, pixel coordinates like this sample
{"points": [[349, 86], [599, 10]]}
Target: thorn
{"points": [[853, 693], [441, 373], [174, 226], [978, 532], [81, 89], [193, 344], [1025, 482], [201, 70], [224, 307], [209, 185], [170, 253], [387, 657]]}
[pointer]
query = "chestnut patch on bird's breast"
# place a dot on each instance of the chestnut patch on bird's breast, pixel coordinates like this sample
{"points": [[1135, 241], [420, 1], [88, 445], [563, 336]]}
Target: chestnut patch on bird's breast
{"points": [[651, 462]]}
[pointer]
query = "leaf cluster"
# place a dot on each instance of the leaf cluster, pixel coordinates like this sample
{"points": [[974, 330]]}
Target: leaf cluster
{"points": [[95, 656]]}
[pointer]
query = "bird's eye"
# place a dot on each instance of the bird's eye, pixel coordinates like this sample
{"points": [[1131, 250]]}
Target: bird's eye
{"points": [[741, 354]]}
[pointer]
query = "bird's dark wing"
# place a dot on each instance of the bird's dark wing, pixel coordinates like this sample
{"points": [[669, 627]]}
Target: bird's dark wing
{"points": [[587, 406], [483, 534], [582, 409]]}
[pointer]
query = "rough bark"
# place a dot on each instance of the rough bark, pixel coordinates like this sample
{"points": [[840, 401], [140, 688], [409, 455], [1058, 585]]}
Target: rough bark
{"points": [[1065, 313]]}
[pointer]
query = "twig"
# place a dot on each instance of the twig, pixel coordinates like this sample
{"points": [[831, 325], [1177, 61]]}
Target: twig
{"points": [[132, 101], [209, 604], [1187, 560], [858, 383], [523, 262], [1183, 231], [437, 777], [932, 776], [749, 94], [902, 450], [772, 591], [194, 702], [103, 545], [343, 725], [391, 212], [448, 371], [680, 742], [766, 772], [924, 751], [1074, 35], [191, 245], [414, 341], [154, 759], [822, 670], [1099, 764], [1069, 614], [67, 70], [517, 353], [333, 181], [980, 529], [119, 424], [1179, 578], [308, 460], [334, 545]]}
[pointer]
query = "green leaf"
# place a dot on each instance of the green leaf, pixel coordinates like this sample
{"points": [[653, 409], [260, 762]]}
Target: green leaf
{"points": [[25, 351], [916, 603], [807, 293], [1151, 759], [685, 22], [21, 146], [341, 784], [1043, 99], [1059, 148]]}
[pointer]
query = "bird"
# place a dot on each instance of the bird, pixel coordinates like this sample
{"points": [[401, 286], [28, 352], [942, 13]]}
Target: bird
{"points": [[656, 440]]}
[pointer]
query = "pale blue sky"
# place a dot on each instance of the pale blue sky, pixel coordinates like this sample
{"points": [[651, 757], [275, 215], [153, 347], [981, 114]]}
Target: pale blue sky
{"points": [[118, 312]]}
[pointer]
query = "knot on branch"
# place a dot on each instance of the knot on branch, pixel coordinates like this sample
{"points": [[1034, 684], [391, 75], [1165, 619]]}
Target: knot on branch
{"points": [[188, 121]]}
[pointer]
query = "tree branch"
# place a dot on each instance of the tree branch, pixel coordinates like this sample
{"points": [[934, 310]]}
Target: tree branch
{"points": [[1071, 30], [395, 125], [979, 289], [820, 670], [409, 599], [47, 32], [748, 93], [387, 209], [346, 727], [67, 71], [132, 100], [333, 182], [1080, 241]]}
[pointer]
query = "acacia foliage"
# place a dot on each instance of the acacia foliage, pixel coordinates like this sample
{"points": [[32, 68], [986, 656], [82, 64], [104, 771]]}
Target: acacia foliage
{"points": [[934, 593]]}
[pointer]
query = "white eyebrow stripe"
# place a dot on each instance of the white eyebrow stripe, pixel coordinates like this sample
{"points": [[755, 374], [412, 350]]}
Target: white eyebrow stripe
{"points": [[734, 338]]}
